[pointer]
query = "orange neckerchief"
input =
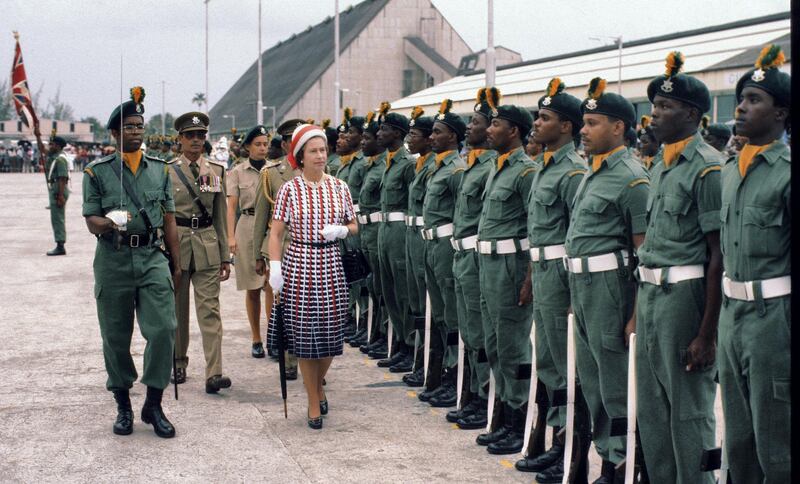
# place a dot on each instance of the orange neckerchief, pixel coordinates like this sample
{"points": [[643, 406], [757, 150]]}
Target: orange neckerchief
{"points": [[501, 160], [346, 159], [747, 155], [548, 155], [132, 160], [390, 156], [421, 161], [441, 156], [371, 159], [647, 161], [473, 155], [597, 160], [673, 150]]}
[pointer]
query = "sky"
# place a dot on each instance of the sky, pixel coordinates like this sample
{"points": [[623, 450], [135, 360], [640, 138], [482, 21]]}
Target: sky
{"points": [[83, 48]]}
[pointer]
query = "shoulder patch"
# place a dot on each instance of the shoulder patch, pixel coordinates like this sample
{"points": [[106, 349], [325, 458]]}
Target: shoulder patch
{"points": [[527, 171], [638, 181], [88, 171], [154, 158], [576, 172], [709, 170], [458, 170], [104, 159]]}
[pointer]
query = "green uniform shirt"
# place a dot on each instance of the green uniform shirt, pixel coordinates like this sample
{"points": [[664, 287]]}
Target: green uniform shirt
{"points": [[353, 174], [682, 207], [756, 216], [394, 184], [610, 206], [441, 190], [468, 202], [369, 200], [552, 195], [57, 167], [102, 192], [333, 164], [416, 189], [504, 213]]}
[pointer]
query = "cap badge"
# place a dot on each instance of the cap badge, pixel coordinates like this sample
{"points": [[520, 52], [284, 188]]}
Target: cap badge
{"points": [[139, 108], [667, 86], [440, 116], [591, 104], [758, 75], [642, 131], [494, 112], [195, 120], [412, 122], [263, 131], [547, 101], [366, 125], [341, 128]]}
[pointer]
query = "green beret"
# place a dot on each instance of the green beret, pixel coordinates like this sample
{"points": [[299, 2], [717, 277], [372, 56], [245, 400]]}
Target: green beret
{"points": [[397, 121], [518, 116], [276, 141], [356, 122], [558, 101], [370, 123], [607, 103], [259, 130], [286, 128], [767, 77], [59, 141], [486, 101], [343, 127], [132, 107], [452, 121], [644, 128], [191, 121], [681, 87]]}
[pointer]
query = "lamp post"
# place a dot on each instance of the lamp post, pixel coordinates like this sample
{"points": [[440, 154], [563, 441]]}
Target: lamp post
{"points": [[490, 58], [618, 41], [273, 116], [206, 3], [163, 112], [233, 119], [337, 83], [260, 102]]}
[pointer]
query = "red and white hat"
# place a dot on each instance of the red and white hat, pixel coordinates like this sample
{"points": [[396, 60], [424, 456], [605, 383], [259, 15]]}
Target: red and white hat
{"points": [[300, 137]]}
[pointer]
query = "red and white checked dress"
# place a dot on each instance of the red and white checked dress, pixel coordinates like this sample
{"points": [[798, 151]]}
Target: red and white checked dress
{"points": [[315, 293]]}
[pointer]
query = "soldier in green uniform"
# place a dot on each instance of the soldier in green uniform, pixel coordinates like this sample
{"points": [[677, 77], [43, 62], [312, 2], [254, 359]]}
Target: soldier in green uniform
{"points": [[418, 141], [397, 175], [755, 320], [369, 203], [608, 224], [331, 136], [154, 146], [715, 134], [166, 150], [58, 192], [680, 280], [648, 144], [130, 271], [549, 213], [467, 213], [273, 175], [201, 215], [503, 262]]}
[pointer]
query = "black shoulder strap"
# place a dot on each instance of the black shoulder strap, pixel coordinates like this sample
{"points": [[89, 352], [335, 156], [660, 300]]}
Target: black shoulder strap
{"points": [[132, 195], [195, 196]]}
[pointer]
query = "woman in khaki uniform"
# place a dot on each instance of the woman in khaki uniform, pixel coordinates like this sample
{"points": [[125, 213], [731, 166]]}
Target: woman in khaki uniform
{"points": [[242, 187]]}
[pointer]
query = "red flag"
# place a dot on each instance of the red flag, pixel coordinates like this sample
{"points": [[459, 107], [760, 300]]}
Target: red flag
{"points": [[19, 89]]}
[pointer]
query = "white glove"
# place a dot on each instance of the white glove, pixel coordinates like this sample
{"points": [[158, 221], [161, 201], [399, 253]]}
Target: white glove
{"points": [[275, 276], [333, 232], [119, 217]]}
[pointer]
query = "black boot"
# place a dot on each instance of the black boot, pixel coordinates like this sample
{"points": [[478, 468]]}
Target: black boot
{"points": [[514, 439], [470, 408], [153, 414], [446, 398], [477, 420], [399, 354], [501, 425], [543, 461], [415, 379], [404, 365], [607, 471], [123, 425], [434, 380], [58, 249]]}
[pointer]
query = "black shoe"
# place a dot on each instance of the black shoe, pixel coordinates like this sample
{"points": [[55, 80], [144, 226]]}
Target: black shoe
{"points": [[416, 379], [258, 350], [542, 462], [454, 416], [216, 383], [291, 374], [58, 250], [492, 437], [477, 420], [428, 394], [154, 415], [607, 471], [272, 353], [358, 340], [403, 366], [366, 348], [445, 399], [388, 362], [123, 425], [357, 335], [315, 423], [379, 353], [553, 474], [179, 377], [323, 407], [514, 439]]}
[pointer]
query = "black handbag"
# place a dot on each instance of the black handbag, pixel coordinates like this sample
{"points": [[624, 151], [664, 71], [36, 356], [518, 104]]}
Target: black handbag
{"points": [[355, 265]]}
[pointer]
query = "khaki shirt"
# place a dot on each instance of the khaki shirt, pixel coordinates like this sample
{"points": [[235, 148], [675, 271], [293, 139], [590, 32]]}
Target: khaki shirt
{"points": [[242, 182], [505, 212], [273, 175], [209, 245]]}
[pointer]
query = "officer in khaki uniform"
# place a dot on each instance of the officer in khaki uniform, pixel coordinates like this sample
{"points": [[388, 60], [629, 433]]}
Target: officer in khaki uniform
{"points": [[201, 215], [755, 320], [549, 215], [680, 279], [503, 270], [273, 175], [418, 141], [130, 271], [608, 224], [57, 170]]}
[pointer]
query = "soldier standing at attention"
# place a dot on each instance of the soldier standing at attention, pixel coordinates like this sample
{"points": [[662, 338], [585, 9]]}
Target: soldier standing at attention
{"points": [[398, 173], [242, 186], [680, 281], [58, 191], [648, 144], [608, 223], [715, 134], [166, 150], [467, 213], [549, 213], [201, 215], [130, 271], [755, 321], [333, 163], [503, 270]]}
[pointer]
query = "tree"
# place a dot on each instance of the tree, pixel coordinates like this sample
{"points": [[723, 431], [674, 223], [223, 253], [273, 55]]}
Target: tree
{"points": [[6, 101], [57, 109], [154, 125], [99, 131], [199, 99]]}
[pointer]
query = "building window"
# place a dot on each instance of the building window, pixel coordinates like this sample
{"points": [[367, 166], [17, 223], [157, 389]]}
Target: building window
{"points": [[71, 127], [726, 104], [19, 126], [2, 126], [408, 82]]}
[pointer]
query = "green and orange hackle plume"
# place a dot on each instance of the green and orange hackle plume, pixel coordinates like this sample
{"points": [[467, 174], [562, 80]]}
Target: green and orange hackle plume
{"points": [[137, 94], [383, 109], [555, 86], [493, 97], [325, 123], [704, 121], [370, 117], [310, 121], [445, 107], [348, 113], [233, 131], [771, 57], [417, 112], [597, 87], [480, 97], [645, 121], [674, 63]]}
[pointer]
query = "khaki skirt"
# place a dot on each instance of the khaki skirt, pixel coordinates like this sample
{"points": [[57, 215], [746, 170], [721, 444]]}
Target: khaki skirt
{"points": [[245, 264]]}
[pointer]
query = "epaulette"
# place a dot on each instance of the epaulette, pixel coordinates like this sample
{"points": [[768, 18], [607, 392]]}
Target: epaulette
{"points": [[576, 172], [525, 172], [88, 171], [172, 160], [104, 159], [154, 158], [638, 181], [709, 169], [458, 170], [217, 162], [271, 164]]}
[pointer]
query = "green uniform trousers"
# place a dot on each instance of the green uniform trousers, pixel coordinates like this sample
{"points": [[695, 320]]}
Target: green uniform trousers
{"points": [[392, 261], [470, 320], [551, 302], [506, 324], [441, 287], [675, 408], [355, 289], [754, 359], [136, 280], [415, 276], [57, 216], [602, 303], [369, 245], [206, 299]]}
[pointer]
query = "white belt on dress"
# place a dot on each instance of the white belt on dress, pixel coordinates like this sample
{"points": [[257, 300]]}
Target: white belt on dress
{"points": [[393, 217], [502, 247], [414, 221], [597, 263], [549, 252], [675, 274], [744, 291], [467, 243], [439, 232]]}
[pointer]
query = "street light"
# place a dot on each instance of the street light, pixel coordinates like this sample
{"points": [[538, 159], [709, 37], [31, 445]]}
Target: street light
{"points": [[273, 116], [260, 102], [206, 3], [233, 120], [618, 41]]}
